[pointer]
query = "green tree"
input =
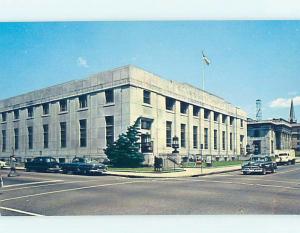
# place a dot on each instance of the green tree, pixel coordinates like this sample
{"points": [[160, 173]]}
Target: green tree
{"points": [[125, 151]]}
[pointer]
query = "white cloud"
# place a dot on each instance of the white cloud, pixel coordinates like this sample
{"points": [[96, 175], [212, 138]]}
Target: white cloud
{"points": [[284, 103], [82, 62]]}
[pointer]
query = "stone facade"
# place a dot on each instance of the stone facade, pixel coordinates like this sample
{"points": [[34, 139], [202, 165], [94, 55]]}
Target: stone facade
{"points": [[266, 136], [101, 107]]}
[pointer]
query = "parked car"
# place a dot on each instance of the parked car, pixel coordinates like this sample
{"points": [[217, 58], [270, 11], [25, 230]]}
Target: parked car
{"points": [[83, 165], [285, 157], [42, 164], [2, 164], [259, 164]]}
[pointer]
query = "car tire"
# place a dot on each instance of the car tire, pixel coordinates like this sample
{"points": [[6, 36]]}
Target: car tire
{"points": [[264, 172], [273, 170], [64, 171], [289, 162], [244, 173]]}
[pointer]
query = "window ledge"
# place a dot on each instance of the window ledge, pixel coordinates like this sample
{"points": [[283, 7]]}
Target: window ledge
{"points": [[29, 118], [170, 111], [16, 120], [45, 115], [109, 104], [82, 109], [64, 112], [3, 122], [147, 105]]}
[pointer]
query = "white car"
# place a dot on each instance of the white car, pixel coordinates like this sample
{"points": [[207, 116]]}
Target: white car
{"points": [[2, 164]]}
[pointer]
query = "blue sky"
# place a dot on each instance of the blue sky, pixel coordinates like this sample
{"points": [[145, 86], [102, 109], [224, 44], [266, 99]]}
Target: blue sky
{"points": [[249, 59]]}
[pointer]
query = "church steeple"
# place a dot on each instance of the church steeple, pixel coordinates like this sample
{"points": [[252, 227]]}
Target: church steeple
{"points": [[292, 113]]}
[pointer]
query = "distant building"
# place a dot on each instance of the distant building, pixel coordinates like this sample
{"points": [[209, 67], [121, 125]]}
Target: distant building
{"points": [[265, 136], [81, 117]]}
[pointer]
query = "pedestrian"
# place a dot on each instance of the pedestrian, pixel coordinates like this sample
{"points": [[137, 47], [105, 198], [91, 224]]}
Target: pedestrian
{"points": [[13, 161]]}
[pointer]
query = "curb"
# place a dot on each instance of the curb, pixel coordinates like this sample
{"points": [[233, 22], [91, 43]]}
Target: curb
{"points": [[179, 176]]}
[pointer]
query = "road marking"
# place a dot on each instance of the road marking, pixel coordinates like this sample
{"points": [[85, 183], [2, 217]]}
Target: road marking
{"points": [[24, 184], [287, 171], [70, 190], [44, 185], [20, 211], [241, 183], [262, 179]]}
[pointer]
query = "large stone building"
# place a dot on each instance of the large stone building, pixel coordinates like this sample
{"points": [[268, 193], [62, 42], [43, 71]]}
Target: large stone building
{"points": [[265, 136], [81, 117]]}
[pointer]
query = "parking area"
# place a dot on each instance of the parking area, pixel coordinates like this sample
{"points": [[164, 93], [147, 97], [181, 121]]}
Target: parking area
{"points": [[49, 194]]}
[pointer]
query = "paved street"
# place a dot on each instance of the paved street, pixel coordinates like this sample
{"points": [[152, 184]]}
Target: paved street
{"points": [[228, 193]]}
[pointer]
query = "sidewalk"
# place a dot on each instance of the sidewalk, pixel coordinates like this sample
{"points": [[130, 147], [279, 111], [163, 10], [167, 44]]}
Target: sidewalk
{"points": [[188, 172]]}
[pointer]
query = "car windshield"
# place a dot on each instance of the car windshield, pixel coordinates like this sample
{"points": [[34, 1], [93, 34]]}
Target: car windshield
{"points": [[257, 159]]}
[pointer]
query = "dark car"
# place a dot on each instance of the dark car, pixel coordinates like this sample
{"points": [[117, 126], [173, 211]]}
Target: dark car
{"points": [[259, 164], [42, 164], [83, 165]]}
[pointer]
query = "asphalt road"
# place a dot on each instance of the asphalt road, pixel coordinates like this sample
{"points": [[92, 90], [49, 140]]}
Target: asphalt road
{"points": [[230, 193]]}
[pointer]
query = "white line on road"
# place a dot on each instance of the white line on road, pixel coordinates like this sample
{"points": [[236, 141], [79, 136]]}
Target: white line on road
{"points": [[261, 179], [240, 183], [20, 211], [30, 183], [287, 171], [69, 190], [44, 185]]}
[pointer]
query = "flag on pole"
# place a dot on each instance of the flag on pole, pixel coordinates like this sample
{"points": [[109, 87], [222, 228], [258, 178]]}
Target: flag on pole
{"points": [[205, 59]]}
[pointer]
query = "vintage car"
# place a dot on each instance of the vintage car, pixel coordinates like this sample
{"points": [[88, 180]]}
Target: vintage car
{"points": [[42, 164], [259, 164], [83, 165]]}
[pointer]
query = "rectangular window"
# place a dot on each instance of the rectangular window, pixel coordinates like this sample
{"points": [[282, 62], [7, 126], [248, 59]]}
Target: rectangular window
{"points": [[63, 106], [195, 137], [205, 138], [216, 116], [206, 113], [182, 135], [168, 133], [272, 146], [83, 133], [63, 134], [196, 111], [242, 123], [16, 132], [230, 142], [3, 140], [215, 139], [16, 114], [4, 116], [83, 101], [183, 107], [30, 137], [147, 97], [224, 118], [109, 121], [223, 140], [46, 109], [46, 136], [231, 120], [109, 96], [170, 103], [30, 111], [146, 124]]}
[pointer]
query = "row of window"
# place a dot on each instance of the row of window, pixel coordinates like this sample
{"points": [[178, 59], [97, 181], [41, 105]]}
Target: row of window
{"points": [[170, 104], [63, 106], [195, 137], [63, 134]]}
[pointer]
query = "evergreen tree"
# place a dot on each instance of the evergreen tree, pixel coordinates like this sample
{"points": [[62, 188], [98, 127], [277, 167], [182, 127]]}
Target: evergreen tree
{"points": [[125, 151]]}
